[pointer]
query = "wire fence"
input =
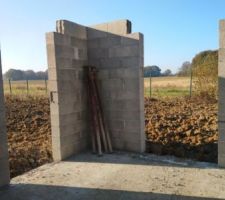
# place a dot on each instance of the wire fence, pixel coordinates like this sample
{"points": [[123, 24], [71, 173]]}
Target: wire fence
{"points": [[25, 87], [172, 86]]}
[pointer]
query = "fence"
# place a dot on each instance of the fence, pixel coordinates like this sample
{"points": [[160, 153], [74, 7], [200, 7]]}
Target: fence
{"points": [[25, 87], [173, 86]]}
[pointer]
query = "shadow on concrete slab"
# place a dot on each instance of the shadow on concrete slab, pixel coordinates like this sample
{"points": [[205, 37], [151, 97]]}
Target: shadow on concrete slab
{"points": [[141, 159], [51, 192]]}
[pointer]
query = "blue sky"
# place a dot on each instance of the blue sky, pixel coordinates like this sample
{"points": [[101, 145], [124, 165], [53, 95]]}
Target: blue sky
{"points": [[174, 30]]}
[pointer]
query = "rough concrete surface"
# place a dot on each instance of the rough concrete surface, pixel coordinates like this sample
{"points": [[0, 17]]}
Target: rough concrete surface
{"points": [[119, 176]]}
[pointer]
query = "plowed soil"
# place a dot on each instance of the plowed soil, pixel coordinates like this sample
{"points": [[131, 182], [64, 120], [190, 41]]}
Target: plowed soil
{"points": [[182, 127], [29, 133]]}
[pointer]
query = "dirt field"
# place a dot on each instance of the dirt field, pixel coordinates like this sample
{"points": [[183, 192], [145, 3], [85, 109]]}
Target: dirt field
{"points": [[29, 133], [181, 127]]}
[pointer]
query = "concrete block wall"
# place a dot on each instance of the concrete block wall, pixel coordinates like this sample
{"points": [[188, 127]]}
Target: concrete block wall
{"points": [[67, 54], [221, 114], [4, 164], [118, 55]]}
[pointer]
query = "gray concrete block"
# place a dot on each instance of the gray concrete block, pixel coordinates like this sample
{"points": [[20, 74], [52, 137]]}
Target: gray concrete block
{"points": [[221, 63], [4, 172], [110, 63], [66, 52], [221, 147], [221, 160], [101, 27], [221, 129], [80, 43], [110, 41], [93, 43], [222, 33], [130, 62], [54, 38], [71, 29], [221, 104], [3, 143], [51, 56], [98, 53], [124, 51], [120, 27], [93, 33], [79, 64], [132, 125]]}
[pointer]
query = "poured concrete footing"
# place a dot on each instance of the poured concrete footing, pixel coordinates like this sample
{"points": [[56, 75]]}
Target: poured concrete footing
{"points": [[119, 176]]}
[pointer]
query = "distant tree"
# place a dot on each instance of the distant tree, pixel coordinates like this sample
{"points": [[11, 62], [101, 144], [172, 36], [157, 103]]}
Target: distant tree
{"points": [[167, 72], [185, 69], [153, 71], [30, 75], [205, 73], [15, 74]]}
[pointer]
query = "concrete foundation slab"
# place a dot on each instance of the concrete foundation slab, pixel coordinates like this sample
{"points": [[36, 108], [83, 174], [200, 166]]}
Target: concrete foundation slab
{"points": [[119, 176]]}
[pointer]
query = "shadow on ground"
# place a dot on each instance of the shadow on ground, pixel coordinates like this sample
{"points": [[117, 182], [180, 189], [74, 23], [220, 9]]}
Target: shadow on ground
{"points": [[46, 192]]}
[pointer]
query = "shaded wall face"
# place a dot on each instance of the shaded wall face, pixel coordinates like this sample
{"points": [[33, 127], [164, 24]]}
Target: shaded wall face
{"points": [[4, 165], [119, 60], [221, 114], [118, 56]]}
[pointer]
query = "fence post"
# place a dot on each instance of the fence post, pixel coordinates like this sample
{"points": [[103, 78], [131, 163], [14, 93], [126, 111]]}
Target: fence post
{"points": [[27, 87], [191, 83], [46, 86], [150, 85], [10, 86]]}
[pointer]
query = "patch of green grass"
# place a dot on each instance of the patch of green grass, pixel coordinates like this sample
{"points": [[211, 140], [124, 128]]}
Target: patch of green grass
{"points": [[167, 92], [19, 88]]}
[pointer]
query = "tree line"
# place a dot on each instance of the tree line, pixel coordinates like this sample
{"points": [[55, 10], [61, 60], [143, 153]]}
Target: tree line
{"points": [[16, 74], [155, 71]]}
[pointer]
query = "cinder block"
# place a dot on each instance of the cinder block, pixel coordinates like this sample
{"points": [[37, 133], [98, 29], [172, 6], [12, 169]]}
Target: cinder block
{"points": [[3, 143], [54, 38], [130, 62], [115, 124], [80, 43], [101, 27], [110, 41], [66, 52], [221, 101], [71, 29], [221, 160], [93, 43], [221, 128], [93, 33], [120, 27], [79, 64], [110, 63], [51, 55], [98, 53], [124, 51], [222, 33], [52, 85], [132, 125], [221, 66], [221, 147], [4, 172]]}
